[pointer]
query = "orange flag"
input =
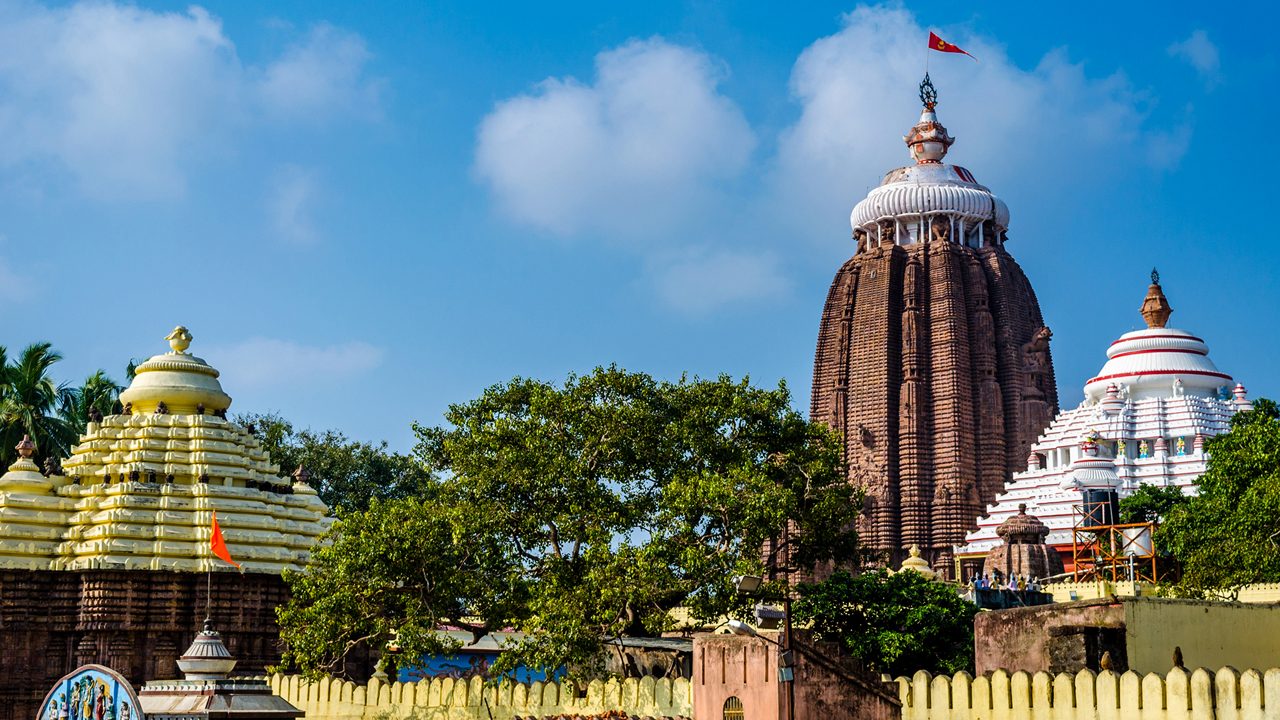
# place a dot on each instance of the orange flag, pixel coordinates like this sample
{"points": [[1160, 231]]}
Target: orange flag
{"points": [[219, 545], [937, 43]]}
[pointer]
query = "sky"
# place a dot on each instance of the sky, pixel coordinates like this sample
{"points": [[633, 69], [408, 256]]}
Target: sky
{"points": [[364, 212]]}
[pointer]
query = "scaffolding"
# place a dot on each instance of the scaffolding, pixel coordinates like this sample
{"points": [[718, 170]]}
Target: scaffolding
{"points": [[1122, 552]]}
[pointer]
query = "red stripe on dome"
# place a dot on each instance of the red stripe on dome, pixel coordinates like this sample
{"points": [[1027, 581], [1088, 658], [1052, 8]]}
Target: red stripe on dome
{"points": [[1159, 372], [1157, 350], [1158, 337]]}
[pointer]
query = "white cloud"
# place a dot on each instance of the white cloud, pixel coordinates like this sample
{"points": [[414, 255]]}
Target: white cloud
{"points": [[700, 281], [290, 202], [856, 89], [321, 76], [1200, 52], [631, 155], [266, 363], [126, 100]]}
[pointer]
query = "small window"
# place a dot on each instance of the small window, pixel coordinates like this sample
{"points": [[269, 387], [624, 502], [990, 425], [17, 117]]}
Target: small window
{"points": [[733, 709]]}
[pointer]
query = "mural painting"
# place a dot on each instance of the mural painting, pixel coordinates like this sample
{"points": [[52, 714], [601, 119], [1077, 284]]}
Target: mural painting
{"points": [[91, 692]]}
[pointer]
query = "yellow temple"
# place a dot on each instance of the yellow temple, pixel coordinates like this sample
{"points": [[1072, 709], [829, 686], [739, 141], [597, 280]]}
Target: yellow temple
{"points": [[141, 487]]}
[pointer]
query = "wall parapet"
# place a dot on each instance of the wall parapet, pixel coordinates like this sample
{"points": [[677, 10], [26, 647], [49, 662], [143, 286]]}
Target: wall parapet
{"points": [[473, 699], [1179, 695]]}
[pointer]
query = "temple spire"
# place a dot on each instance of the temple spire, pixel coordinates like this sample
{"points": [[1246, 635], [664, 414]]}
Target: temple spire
{"points": [[1155, 307]]}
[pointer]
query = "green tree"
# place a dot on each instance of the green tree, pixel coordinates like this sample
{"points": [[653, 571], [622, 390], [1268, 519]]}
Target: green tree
{"points": [[29, 400], [347, 474], [99, 392], [602, 504], [895, 623], [1226, 536], [392, 574], [1150, 503]]}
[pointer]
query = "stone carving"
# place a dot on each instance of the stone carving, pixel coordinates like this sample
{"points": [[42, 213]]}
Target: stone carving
{"points": [[95, 415], [941, 229], [52, 466], [939, 354], [162, 408]]}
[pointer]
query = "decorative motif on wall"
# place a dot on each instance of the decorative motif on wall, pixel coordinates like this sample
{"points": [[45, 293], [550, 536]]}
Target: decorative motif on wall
{"points": [[91, 692]]}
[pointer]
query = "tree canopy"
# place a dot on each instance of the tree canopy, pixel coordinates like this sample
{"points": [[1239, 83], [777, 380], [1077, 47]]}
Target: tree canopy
{"points": [[896, 623], [347, 474], [1227, 535], [585, 511]]}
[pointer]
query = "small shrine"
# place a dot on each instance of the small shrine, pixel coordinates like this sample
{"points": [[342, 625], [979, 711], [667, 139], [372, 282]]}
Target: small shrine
{"points": [[106, 554], [1024, 552]]}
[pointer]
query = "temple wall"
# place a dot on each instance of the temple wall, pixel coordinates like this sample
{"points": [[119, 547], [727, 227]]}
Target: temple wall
{"points": [[1071, 591], [136, 622], [449, 699], [1179, 695]]}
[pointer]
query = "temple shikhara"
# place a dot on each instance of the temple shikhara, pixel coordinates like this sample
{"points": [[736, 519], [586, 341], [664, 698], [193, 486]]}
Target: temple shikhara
{"points": [[104, 560], [1143, 421], [933, 361]]}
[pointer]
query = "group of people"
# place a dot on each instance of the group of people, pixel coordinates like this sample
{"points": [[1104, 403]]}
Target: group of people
{"points": [[998, 581]]}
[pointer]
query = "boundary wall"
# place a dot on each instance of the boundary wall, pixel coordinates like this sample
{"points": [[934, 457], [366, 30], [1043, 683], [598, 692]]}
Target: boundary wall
{"points": [[1180, 695], [1096, 590], [449, 699]]}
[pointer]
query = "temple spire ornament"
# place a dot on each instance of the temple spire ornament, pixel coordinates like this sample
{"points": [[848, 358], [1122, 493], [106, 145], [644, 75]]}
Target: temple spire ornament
{"points": [[1155, 307], [928, 140]]}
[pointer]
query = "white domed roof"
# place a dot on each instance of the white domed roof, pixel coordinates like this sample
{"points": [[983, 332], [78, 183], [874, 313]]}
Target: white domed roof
{"points": [[1158, 361], [930, 189]]}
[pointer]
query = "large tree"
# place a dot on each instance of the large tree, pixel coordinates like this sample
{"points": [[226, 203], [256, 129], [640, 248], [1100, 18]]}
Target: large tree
{"points": [[1228, 535], [348, 474], [599, 506], [29, 401], [895, 623]]}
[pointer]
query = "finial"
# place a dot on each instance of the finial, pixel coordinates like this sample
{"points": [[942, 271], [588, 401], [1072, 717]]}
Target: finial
{"points": [[26, 448], [915, 548], [1022, 508], [928, 94], [928, 139], [1155, 307], [302, 475], [179, 339]]}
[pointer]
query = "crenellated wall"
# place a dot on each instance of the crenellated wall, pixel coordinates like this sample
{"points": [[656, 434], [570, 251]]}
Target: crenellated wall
{"points": [[449, 699], [1179, 695]]}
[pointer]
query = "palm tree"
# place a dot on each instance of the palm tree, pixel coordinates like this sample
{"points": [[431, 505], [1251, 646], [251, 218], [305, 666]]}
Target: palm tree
{"points": [[29, 399], [99, 392]]}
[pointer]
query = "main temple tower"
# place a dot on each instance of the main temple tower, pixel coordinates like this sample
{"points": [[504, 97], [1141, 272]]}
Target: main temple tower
{"points": [[933, 360]]}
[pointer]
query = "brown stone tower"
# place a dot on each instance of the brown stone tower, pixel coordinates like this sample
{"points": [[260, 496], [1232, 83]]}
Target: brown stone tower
{"points": [[933, 360]]}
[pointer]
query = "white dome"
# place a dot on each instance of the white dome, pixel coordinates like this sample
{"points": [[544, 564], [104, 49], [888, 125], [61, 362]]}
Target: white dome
{"points": [[1158, 362], [926, 190]]}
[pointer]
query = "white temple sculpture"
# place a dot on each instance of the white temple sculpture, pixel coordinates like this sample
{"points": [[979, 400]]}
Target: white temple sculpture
{"points": [[1143, 421]]}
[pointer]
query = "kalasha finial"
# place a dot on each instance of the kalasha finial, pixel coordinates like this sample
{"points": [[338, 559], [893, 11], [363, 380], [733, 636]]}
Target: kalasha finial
{"points": [[26, 448], [1155, 307], [179, 339], [302, 475], [928, 93]]}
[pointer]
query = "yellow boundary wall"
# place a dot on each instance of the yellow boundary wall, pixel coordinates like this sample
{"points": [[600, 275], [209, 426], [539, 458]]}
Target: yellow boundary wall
{"points": [[1180, 695], [1093, 590], [449, 699]]}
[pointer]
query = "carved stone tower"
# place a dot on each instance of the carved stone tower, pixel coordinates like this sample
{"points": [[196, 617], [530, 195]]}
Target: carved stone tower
{"points": [[933, 360]]}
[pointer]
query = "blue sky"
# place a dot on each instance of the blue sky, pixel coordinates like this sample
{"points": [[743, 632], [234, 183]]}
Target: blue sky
{"points": [[364, 212]]}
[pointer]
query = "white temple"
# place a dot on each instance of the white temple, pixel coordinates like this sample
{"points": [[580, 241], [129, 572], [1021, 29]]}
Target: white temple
{"points": [[1143, 420]]}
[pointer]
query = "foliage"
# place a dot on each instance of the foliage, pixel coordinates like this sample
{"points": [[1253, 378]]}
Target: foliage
{"points": [[1227, 536], [896, 623], [29, 399], [347, 474], [414, 573], [99, 392], [601, 505], [1150, 503]]}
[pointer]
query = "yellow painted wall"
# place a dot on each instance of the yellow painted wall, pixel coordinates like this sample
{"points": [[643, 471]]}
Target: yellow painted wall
{"points": [[448, 699], [1211, 634], [1179, 695], [1259, 593]]}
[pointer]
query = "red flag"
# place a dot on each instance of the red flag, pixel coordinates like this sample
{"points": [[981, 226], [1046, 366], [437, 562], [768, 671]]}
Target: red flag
{"points": [[937, 43], [218, 544]]}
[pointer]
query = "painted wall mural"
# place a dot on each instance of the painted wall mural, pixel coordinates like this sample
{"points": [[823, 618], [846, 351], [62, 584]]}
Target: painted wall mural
{"points": [[91, 692]]}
